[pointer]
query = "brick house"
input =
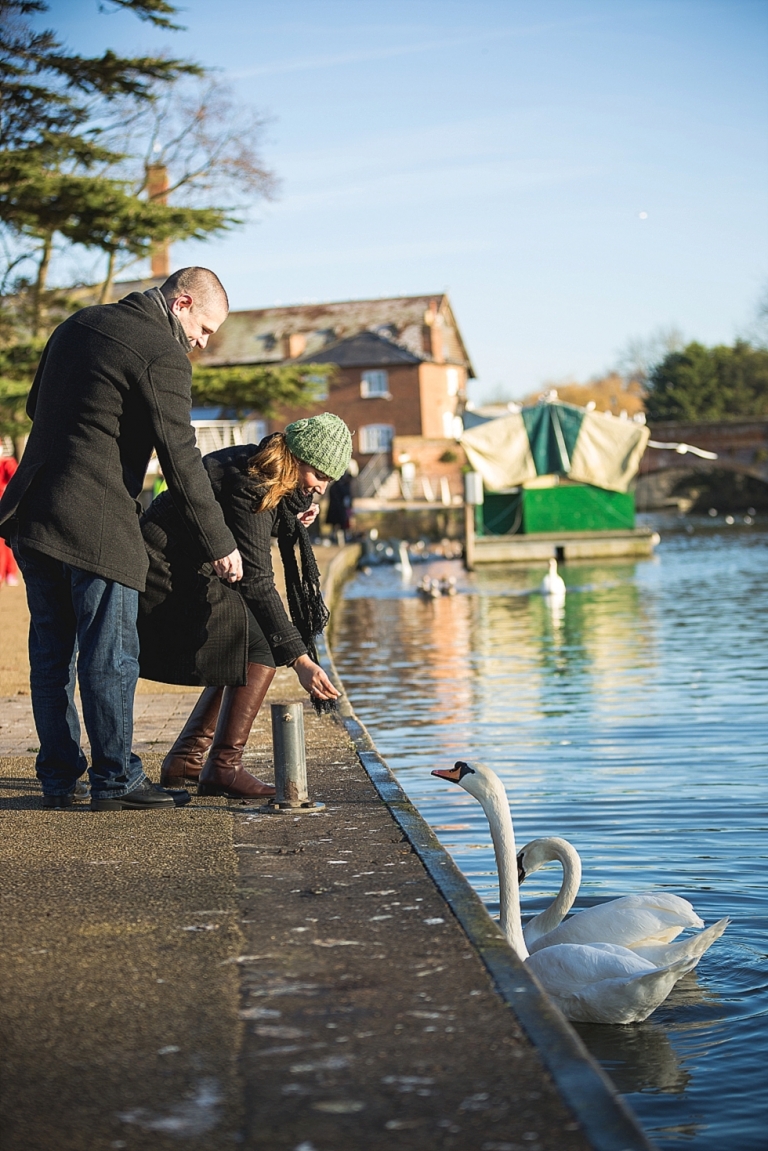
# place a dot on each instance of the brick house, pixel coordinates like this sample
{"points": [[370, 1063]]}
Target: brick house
{"points": [[401, 364]]}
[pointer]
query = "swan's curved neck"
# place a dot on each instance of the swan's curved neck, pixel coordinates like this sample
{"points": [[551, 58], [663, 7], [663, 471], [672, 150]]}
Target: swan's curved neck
{"points": [[496, 808], [561, 851]]}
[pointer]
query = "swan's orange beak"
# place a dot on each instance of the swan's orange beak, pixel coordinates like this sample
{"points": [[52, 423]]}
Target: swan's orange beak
{"points": [[453, 773]]}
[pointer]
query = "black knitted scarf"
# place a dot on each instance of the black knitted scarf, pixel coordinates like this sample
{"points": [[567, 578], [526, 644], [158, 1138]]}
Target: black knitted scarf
{"points": [[305, 600]]}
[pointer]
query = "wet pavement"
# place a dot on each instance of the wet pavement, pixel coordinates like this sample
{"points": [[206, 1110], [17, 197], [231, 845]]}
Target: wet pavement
{"points": [[210, 976], [214, 977]]}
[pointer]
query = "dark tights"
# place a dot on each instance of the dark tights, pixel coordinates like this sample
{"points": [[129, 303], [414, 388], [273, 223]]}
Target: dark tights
{"points": [[259, 650]]}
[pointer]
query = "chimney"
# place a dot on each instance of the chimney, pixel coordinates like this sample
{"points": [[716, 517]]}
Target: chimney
{"points": [[297, 343], [433, 332], [157, 189]]}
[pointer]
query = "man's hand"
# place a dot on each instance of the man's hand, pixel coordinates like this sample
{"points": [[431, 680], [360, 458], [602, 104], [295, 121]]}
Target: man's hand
{"points": [[230, 568], [313, 679]]}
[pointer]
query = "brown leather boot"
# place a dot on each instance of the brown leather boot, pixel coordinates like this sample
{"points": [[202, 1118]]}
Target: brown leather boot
{"points": [[184, 762], [223, 773]]}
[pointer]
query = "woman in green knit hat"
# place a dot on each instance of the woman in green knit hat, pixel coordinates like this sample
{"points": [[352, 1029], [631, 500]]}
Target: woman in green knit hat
{"points": [[195, 629]]}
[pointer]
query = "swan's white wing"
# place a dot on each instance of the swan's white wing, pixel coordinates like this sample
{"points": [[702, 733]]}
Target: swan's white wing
{"points": [[692, 947], [604, 984], [651, 917], [572, 966]]}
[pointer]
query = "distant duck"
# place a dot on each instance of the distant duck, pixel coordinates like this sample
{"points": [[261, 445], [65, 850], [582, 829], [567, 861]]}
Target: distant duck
{"points": [[428, 588], [448, 585], [553, 584]]}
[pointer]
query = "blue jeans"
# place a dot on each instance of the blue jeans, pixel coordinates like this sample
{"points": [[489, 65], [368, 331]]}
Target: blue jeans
{"points": [[80, 621]]}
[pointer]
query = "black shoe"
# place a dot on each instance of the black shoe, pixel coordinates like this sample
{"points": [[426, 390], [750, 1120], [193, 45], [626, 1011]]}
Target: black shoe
{"points": [[146, 797], [179, 795], [58, 800]]}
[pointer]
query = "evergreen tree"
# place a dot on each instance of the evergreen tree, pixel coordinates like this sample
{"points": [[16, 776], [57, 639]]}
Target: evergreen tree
{"points": [[702, 383], [265, 389], [79, 137], [55, 156]]}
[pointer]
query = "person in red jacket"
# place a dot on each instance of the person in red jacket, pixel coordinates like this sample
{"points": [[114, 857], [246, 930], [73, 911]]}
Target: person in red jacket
{"points": [[9, 572]]}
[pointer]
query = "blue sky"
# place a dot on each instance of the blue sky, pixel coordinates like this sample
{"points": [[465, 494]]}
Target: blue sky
{"points": [[500, 150]]}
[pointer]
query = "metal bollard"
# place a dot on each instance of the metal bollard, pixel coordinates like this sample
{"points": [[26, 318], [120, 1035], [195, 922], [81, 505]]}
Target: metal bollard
{"points": [[290, 761]]}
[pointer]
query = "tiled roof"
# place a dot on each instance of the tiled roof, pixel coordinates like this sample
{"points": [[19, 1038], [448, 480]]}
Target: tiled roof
{"points": [[365, 350], [263, 335]]}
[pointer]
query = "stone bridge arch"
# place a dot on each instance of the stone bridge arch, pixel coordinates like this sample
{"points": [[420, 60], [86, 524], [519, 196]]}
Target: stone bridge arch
{"points": [[741, 447]]}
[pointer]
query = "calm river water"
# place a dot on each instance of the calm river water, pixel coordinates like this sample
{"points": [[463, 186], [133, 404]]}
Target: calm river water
{"points": [[635, 726]]}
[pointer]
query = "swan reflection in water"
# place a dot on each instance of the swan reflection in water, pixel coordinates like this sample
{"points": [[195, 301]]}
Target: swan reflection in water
{"points": [[646, 1058], [639, 1058]]}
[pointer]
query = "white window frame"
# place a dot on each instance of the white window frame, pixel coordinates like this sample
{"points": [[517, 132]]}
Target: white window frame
{"points": [[320, 384], [375, 438], [374, 384], [213, 435], [452, 381]]}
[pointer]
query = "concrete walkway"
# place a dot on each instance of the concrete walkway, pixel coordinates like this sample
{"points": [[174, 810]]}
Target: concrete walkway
{"points": [[212, 976], [198, 974]]}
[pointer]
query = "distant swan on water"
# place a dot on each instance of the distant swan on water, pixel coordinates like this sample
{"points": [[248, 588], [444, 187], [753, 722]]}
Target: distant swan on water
{"points": [[646, 923], [553, 583], [405, 561], [590, 983]]}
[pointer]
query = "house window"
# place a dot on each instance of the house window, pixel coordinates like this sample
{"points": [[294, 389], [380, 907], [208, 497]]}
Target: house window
{"points": [[376, 438], [374, 383], [319, 387], [452, 380]]}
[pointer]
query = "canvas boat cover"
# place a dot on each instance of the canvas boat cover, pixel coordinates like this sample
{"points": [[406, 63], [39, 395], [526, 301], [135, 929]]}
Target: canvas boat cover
{"points": [[556, 438]]}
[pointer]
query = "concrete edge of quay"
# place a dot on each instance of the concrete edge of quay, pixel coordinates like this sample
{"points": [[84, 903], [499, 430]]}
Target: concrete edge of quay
{"points": [[609, 1124]]}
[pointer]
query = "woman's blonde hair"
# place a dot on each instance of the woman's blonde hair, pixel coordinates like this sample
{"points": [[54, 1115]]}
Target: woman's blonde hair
{"points": [[276, 471]]}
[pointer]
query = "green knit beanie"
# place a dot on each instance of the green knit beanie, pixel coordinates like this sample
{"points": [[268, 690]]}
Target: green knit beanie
{"points": [[323, 442]]}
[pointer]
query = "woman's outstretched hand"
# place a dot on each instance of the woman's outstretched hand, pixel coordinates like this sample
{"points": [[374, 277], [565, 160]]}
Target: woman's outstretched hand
{"points": [[309, 516], [313, 679]]}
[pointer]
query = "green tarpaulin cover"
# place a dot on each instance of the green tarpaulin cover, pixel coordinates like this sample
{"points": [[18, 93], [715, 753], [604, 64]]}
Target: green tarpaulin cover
{"points": [[554, 438]]}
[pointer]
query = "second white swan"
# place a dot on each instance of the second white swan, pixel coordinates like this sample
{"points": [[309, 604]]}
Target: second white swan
{"points": [[647, 923]]}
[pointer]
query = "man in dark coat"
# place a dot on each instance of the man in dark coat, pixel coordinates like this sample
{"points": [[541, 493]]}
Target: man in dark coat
{"points": [[113, 383]]}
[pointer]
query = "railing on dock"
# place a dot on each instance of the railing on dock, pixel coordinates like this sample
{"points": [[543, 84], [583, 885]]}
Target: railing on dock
{"points": [[373, 476]]}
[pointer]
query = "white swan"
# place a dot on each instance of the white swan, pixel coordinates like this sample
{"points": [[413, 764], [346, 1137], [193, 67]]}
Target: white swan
{"points": [[553, 583], [405, 561], [647, 923], [596, 983]]}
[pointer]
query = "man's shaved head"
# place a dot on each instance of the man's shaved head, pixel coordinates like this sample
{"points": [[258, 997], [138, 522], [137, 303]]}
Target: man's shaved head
{"points": [[197, 299], [203, 285]]}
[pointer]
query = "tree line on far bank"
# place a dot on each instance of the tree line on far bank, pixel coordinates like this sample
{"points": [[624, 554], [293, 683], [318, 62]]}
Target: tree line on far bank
{"points": [[686, 383], [700, 383]]}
